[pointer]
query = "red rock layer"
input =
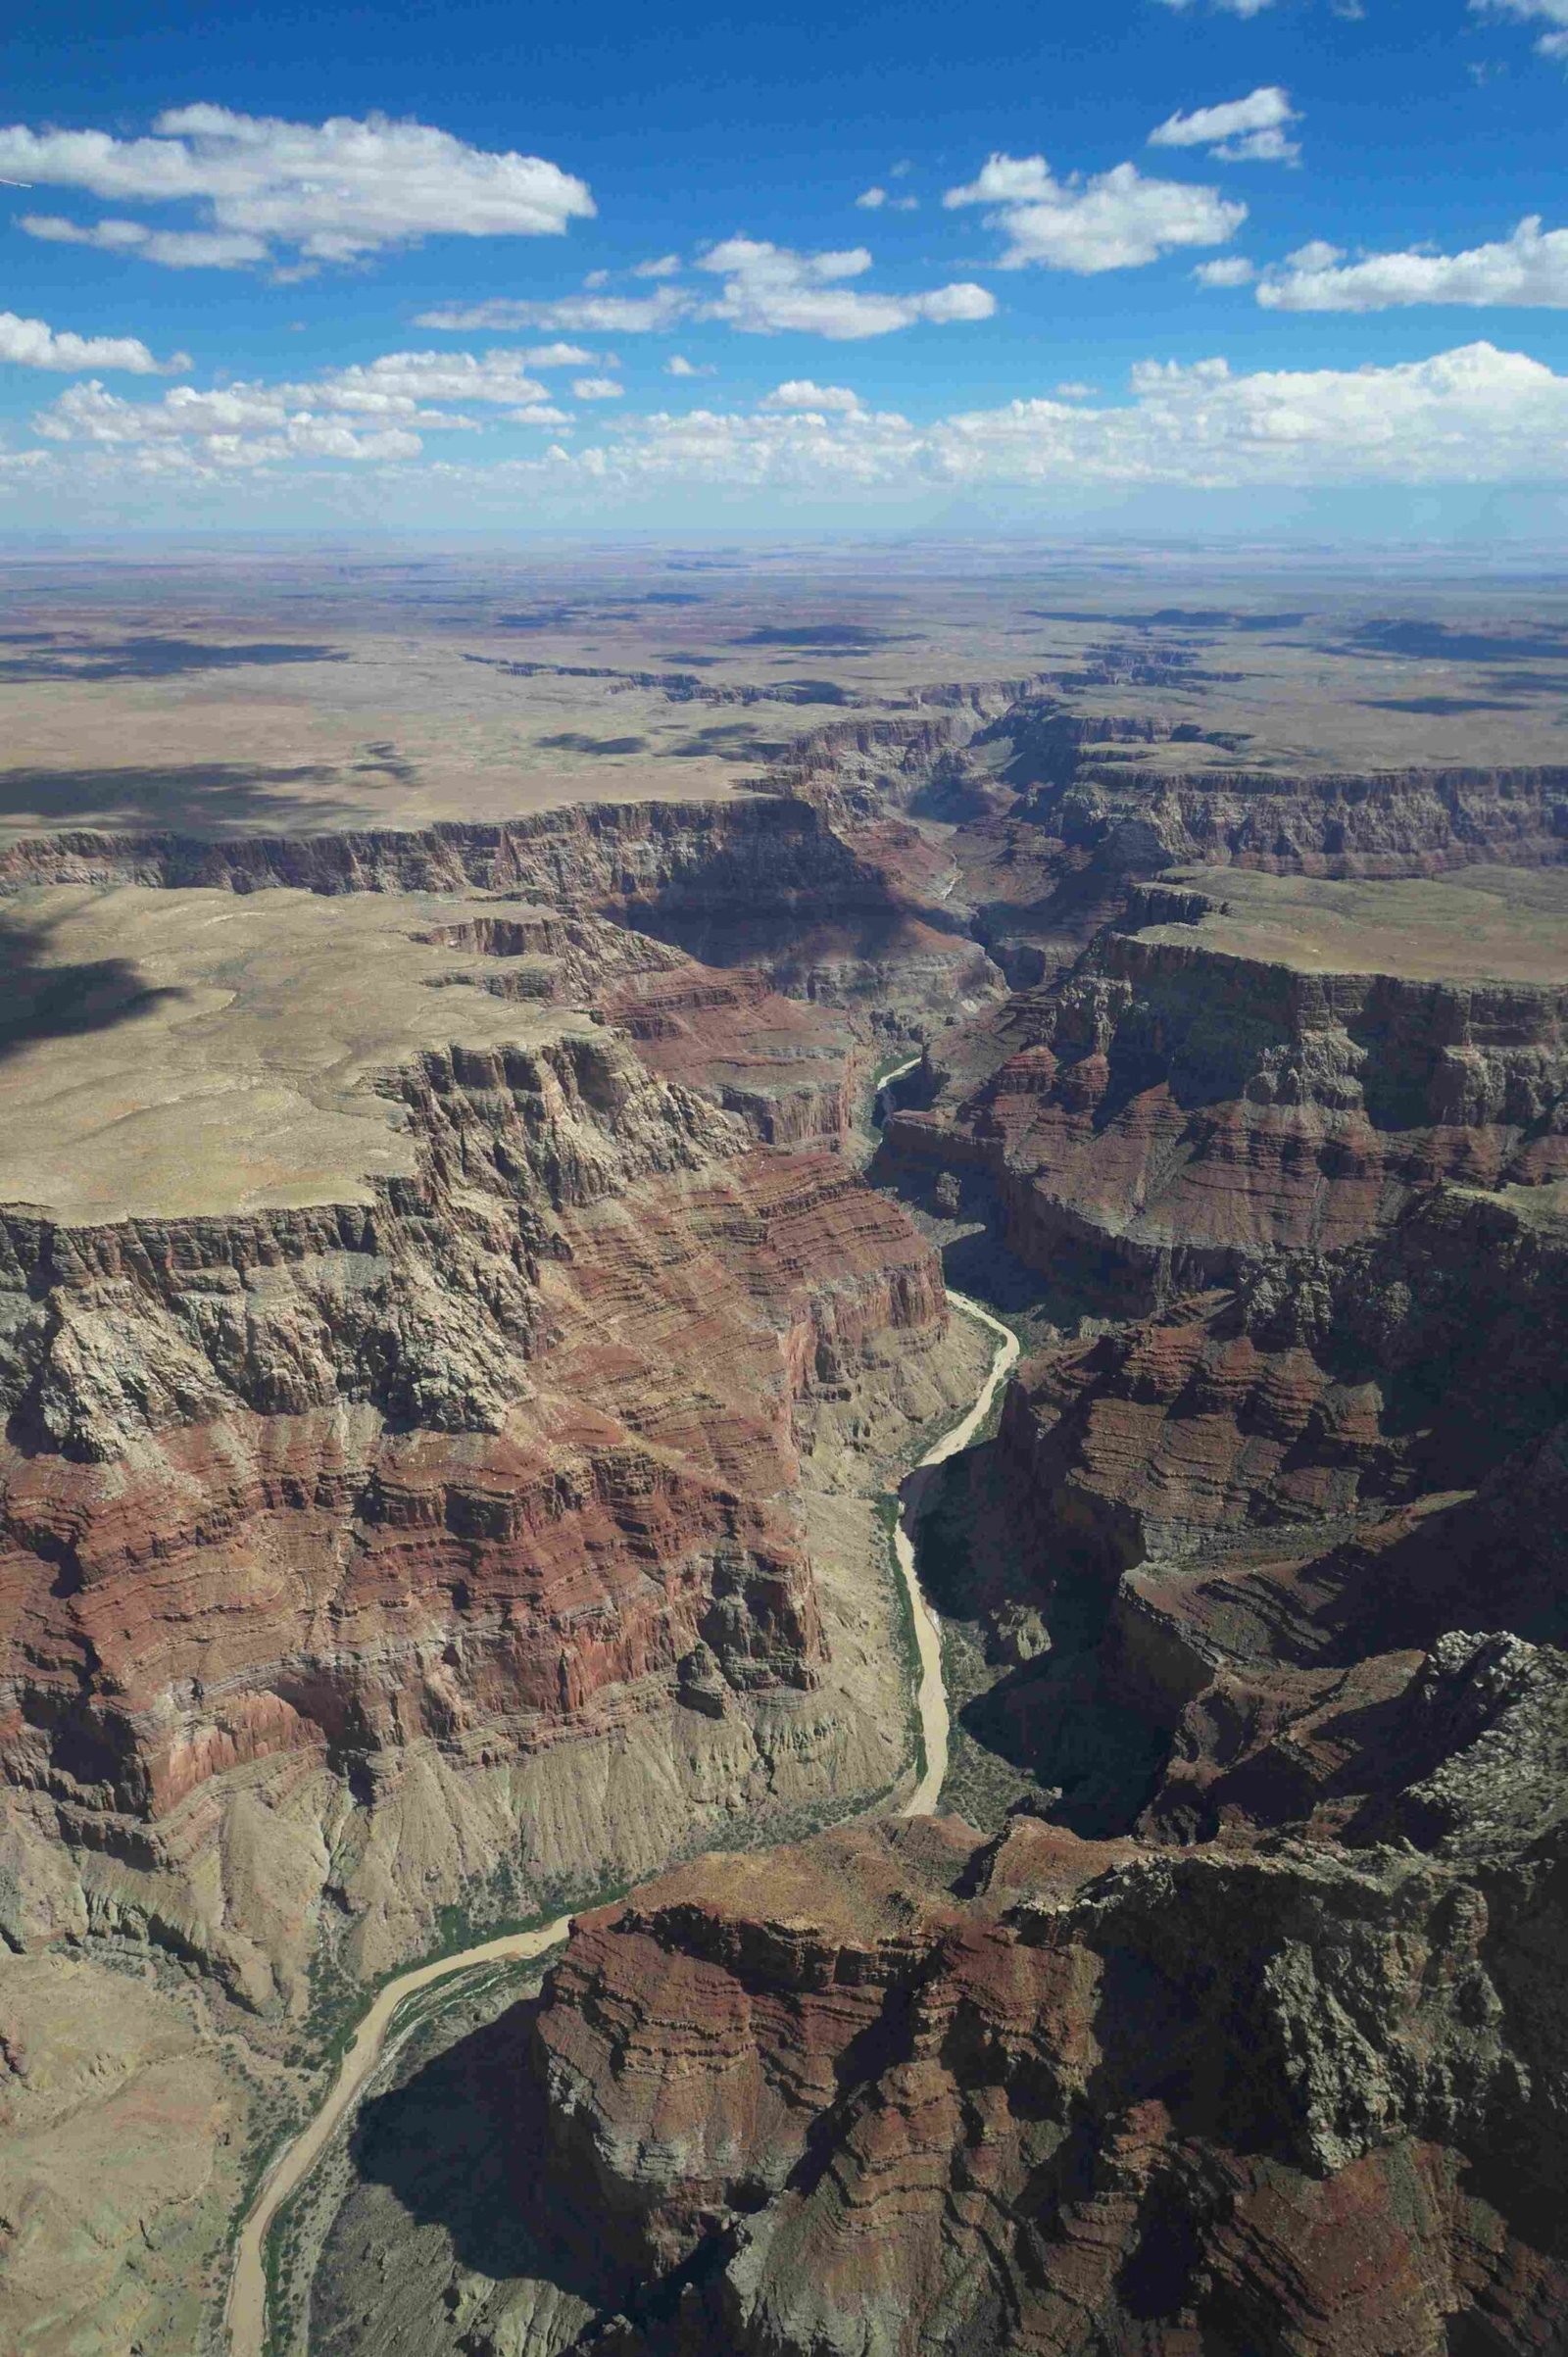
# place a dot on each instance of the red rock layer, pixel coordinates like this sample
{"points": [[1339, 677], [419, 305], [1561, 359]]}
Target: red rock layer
{"points": [[792, 1070], [904, 2090], [246, 1584], [1168, 1115], [1328, 1385], [485, 1463]]}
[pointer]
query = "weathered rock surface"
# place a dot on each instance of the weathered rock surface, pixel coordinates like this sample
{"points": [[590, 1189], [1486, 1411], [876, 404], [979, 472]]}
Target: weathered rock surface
{"points": [[1327, 1385], [1183, 1104], [455, 1533], [1045, 870], [832, 912], [493, 1523], [908, 2090], [123, 2131]]}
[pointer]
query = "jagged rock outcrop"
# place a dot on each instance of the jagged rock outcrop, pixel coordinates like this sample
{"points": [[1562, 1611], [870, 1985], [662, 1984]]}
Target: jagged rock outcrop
{"points": [[792, 1070], [1172, 1112], [1327, 1385], [906, 2090], [344, 1532], [1253, 1507]]}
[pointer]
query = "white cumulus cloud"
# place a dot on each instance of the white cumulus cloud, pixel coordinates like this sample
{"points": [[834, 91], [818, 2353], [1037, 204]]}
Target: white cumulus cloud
{"points": [[597, 388], [1117, 221], [1551, 13], [666, 265], [799, 393], [432, 376], [764, 289], [1226, 269], [32, 344], [1253, 130], [579, 314], [240, 427], [1529, 269], [322, 192], [769, 288], [176, 249], [1229, 8], [1473, 415]]}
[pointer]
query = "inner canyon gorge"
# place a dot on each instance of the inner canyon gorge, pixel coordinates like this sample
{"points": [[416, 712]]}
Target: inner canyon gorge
{"points": [[828, 1473]]}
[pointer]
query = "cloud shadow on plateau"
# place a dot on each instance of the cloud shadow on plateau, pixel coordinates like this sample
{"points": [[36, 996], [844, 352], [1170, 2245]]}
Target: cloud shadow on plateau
{"points": [[157, 658], [39, 1001], [573, 740], [197, 797], [1437, 642]]}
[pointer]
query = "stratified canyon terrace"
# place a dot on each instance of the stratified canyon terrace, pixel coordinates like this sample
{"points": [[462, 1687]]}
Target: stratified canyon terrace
{"points": [[469, 1293]]}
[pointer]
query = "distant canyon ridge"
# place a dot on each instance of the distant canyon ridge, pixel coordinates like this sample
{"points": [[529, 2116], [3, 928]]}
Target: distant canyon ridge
{"points": [[466, 1297]]}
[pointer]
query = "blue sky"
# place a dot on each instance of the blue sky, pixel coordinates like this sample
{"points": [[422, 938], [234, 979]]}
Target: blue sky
{"points": [[491, 267]]}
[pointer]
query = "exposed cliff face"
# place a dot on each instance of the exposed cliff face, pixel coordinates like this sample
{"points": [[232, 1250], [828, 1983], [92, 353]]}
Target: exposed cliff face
{"points": [[792, 1070], [1330, 1384], [1045, 871], [1170, 1114], [1244, 1517], [503, 1529], [904, 2090], [1394, 822], [834, 913], [462, 1519]]}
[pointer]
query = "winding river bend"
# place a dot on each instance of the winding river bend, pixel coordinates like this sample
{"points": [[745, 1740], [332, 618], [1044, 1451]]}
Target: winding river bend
{"points": [[245, 2313]]}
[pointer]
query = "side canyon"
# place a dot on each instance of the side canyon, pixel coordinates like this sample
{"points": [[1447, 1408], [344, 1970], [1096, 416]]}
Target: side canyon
{"points": [[468, 1294]]}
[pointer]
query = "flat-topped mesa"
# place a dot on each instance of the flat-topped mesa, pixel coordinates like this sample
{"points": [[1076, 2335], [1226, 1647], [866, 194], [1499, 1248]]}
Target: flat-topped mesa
{"points": [[906, 2088], [1045, 871], [406, 1394], [1278, 1071], [1337, 823], [844, 915]]}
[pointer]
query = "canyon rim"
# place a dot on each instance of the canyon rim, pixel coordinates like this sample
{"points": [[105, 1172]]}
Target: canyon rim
{"points": [[836, 1475]]}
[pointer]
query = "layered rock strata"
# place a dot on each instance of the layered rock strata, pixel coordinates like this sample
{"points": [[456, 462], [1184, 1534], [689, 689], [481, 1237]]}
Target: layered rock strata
{"points": [[1328, 1385], [425, 1513], [839, 913], [910, 2090], [1184, 1104], [1044, 869]]}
